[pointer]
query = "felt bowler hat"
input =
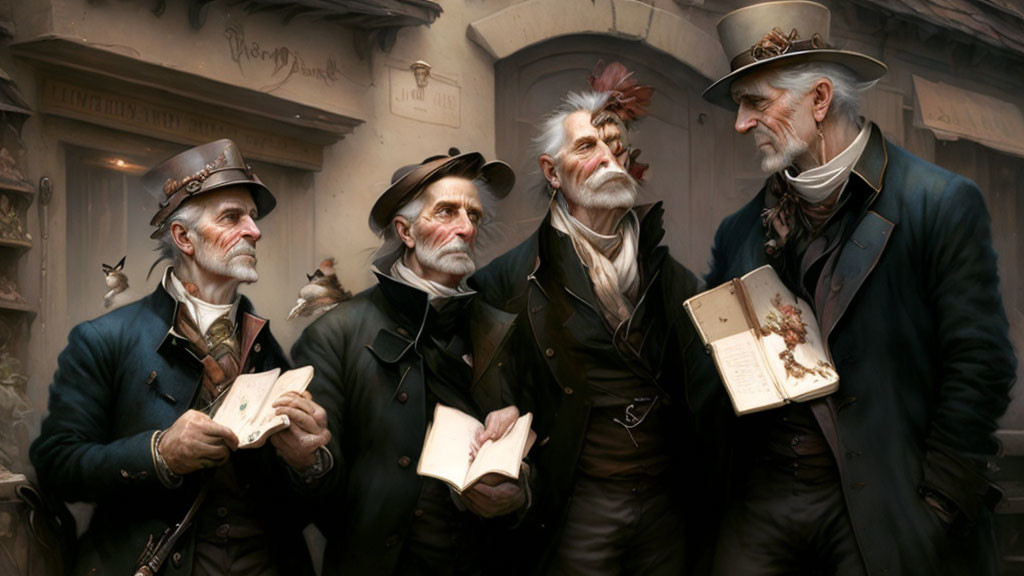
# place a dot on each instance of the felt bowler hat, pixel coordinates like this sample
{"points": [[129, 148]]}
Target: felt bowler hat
{"points": [[776, 33], [199, 170], [407, 182]]}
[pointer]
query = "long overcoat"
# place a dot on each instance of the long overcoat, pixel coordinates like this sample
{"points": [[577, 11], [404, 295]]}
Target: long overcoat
{"points": [[909, 304], [370, 378], [544, 282], [122, 377]]}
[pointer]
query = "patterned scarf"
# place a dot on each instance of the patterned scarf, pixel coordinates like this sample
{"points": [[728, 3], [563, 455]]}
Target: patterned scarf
{"points": [[610, 260]]}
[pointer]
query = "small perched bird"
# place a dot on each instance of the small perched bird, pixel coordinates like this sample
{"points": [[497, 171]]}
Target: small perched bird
{"points": [[321, 293], [116, 280]]}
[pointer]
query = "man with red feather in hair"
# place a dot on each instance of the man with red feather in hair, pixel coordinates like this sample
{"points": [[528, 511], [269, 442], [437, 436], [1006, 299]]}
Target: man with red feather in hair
{"points": [[619, 468]]}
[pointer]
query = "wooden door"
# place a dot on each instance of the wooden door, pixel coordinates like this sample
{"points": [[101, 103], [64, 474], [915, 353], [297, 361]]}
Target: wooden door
{"points": [[696, 169]]}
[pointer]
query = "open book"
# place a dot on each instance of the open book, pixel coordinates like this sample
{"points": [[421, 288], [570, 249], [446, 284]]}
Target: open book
{"points": [[765, 342], [446, 448], [248, 410]]}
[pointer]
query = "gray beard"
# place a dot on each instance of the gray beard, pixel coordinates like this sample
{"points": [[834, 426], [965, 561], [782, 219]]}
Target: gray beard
{"points": [[606, 190], [785, 152], [456, 257], [227, 265]]}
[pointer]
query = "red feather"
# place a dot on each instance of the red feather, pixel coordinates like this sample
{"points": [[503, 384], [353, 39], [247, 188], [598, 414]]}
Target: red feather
{"points": [[627, 99]]}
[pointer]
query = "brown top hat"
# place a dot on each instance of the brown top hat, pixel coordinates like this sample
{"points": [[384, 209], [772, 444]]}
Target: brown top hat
{"points": [[776, 33], [496, 177], [203, 169]]}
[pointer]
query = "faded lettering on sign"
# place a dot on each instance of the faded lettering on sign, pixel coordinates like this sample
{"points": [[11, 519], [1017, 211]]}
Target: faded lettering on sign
{"points": [[439, 102]]}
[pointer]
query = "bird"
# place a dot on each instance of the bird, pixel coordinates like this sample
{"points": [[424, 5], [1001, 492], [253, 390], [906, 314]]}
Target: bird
{"points": [[321, 292], [116, 281]]}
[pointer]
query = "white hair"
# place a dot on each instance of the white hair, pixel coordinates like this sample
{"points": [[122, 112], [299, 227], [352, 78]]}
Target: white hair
{"points": [[552, 128], [847, 88], [188, 215]]}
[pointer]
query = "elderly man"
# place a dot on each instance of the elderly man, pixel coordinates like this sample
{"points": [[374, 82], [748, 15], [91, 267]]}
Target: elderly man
{"points": [[387, 357], [885, 476], [129, 424], [613, 354]]}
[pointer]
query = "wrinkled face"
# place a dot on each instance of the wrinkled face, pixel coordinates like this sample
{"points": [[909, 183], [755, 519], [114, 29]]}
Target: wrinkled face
{"points": [[225, 237], [782, 123], [444, 233], [590, 165]]}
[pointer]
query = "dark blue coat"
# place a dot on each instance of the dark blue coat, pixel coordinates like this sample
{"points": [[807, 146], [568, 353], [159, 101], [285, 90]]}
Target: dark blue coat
{"points": [[121, 378], [910, 307]]}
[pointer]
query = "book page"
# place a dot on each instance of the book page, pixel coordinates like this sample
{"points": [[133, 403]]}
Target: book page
{"points": [[717, 313], [745, 373], [504, 455], [248, 410], [447, 445], [790, 337]]}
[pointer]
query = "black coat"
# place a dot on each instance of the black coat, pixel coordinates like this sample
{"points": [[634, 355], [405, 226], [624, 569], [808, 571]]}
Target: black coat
{"points": [[910, 307], [370, 379], [544, 282], [121, 378]]}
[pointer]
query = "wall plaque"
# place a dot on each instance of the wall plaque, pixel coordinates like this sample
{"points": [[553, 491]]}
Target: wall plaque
{"points": [[438, 102], [181, 124]]}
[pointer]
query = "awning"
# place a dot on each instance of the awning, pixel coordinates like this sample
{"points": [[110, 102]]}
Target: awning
{"points": [[952, 113]]}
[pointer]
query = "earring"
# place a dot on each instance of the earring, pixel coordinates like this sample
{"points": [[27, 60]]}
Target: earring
{"points": [[821, 138]]}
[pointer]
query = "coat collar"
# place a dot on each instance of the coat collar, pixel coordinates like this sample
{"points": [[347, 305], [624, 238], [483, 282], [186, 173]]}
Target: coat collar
{"points": [[166, 308], [871, 165]]}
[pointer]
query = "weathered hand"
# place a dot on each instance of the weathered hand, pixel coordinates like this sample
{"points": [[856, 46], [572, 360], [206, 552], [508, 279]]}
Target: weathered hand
{"points": [[195, 442], [298, 443], [494, 495], [496, 425]]}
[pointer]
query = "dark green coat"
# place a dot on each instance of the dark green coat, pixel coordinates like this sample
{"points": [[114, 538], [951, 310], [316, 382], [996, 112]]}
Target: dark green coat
{"points": [[910, 307], [121, 378], [370, 380], [544, 282]]}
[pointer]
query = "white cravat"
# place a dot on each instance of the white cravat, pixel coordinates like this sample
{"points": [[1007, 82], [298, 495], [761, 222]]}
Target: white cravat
{"points": [[817, 184], [434, 290], [201, 311]]}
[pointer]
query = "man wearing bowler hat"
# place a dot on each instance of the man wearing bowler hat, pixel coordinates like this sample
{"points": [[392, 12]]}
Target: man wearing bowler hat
{"points": [[388, 356], [129, 424], [886, 475]]}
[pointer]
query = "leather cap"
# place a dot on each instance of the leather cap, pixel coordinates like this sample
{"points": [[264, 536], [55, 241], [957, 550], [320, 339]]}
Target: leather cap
{"points": [[495, 177], [199, 170], [776, 33]]}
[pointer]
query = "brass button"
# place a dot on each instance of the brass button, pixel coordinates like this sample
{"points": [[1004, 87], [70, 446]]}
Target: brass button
{"points": [[176, 559], [500, 364], [222, 512], [402, 331], [550, 352], [404, 461], [124, 473], [568, 390], [418, 512], [223, 530], [257, 347], [403, 397]]}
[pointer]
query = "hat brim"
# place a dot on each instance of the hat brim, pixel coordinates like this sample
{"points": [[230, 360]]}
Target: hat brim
{"points": [[261, 195], [496, 178], [865, 67]]}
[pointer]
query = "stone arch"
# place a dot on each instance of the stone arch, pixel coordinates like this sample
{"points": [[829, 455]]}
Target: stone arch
{"points": [[534, 21]]}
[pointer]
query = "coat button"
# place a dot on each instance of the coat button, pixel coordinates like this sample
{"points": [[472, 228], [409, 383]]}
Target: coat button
{"points": [[257, 347], [124, 473], [152, 376], [402, 331], [568, 390], [223, 530], [403, 397], [404, 461], [550, 352], [176, 559], [222, 512]]}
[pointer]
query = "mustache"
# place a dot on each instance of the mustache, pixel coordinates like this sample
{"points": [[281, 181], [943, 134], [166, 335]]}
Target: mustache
{"points": [[243, 248], [606, 174], [455, 245]]}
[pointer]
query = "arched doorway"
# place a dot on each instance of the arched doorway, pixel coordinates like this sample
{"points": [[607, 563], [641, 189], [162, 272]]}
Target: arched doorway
{"points": [[699, 168]]}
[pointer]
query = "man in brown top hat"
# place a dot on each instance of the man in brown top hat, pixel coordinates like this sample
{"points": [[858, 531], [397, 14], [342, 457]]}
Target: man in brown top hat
{"points": [[886, 475], [129, 424], [388, 356]]}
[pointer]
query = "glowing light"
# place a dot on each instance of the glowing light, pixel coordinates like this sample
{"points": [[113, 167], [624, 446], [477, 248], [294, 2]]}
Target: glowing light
{"points": [[119, 163]]}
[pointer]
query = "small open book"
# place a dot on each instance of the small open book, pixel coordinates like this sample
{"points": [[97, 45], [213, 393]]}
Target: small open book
{"points": [[446, 448], [765, 342], [248, 410]]}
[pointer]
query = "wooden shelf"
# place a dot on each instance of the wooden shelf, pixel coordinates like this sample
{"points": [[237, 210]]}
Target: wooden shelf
{"points": [[17, 244], [17, 306], [23, 188]]}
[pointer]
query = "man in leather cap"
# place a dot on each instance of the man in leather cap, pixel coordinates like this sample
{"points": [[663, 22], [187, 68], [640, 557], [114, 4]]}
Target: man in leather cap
{"points": [[894, 254], [610, 352], [388, 356], [129, 424]]}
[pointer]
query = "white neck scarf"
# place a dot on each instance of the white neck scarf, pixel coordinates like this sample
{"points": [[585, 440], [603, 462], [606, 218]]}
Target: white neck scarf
{"points": [[817, 184], [202, 312], [434, 290], [610, 260]]}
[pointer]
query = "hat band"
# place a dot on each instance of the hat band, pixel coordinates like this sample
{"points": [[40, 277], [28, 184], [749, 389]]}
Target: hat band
{"points": [[774, 44]]}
